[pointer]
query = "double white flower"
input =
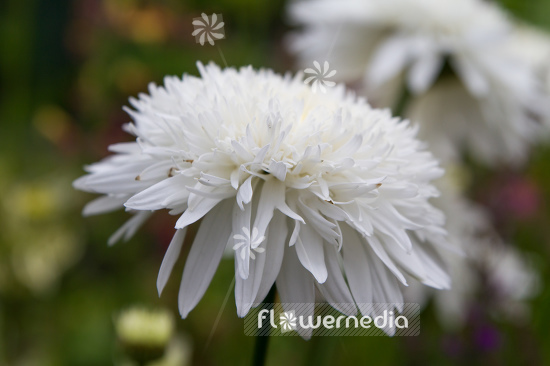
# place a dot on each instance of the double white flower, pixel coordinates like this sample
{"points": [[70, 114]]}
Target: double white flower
{"points": [[305, 181], [474, 91]]}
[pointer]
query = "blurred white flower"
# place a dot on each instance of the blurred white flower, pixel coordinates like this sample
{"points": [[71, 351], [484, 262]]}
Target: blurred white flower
{"points": [[532, 45], [319, 179], [416, 43], [208, 29], [495, 129], [511, 278], [320, 76]]}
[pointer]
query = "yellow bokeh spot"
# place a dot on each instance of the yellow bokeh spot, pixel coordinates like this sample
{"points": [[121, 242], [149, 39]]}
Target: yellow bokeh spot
{"points": [[52, 122]]}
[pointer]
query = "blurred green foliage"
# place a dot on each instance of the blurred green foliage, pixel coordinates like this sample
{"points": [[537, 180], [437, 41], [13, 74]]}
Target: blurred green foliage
{"points": [[66, 69]]}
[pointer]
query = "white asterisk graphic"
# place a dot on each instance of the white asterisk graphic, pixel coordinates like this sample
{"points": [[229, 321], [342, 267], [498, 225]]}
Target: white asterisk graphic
{"points": [[245, 243], [319, 76], [208, 28], [287, 320]]}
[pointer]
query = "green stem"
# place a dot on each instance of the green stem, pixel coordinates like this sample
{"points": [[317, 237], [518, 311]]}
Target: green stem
{"points": [[262, 341]]}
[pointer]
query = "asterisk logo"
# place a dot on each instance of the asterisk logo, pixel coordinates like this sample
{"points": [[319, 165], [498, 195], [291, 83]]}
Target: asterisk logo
{"points": [[208, 28], [319, 76], [287, 320], [244, 242]]}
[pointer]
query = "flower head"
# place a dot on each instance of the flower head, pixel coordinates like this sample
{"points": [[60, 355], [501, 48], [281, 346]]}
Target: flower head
{"points": [[301, 180], [483, 94]]}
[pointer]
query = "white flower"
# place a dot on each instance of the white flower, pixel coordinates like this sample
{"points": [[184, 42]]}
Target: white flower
{"points": [[417, 43], [495, 129], [323, 177], [208, 29], [320, 76]]}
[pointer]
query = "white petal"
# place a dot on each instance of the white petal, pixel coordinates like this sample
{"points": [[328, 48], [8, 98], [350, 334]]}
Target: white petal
{"points": [[278, 169], [241, 151], [395, 234], [381, 252], [326, 229], [104, 204], [474, 79], [130, 227], [272, 196], [114, 179], [241, 223], [125, 148], [295, 285], [386, 288], [335, 289], [309, 248], [204, 256], [191, 216], [160, 195], [157, 171], [356, 266], [424, 71], [389, 59], [170, 258], [247, 289], [275, 247], [213, 181], [295, 234], [244, 195]]}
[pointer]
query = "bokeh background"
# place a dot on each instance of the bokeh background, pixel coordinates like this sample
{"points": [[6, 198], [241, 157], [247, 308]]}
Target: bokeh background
{"points": [[67, 68]]}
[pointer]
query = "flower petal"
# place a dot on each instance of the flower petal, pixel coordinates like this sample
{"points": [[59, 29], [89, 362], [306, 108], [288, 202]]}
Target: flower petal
{"points": [[130, 227], [170, 258], [104, 204], [275, 247], [295, 286], [204, 256], [241, 223], [309, 248], [335, 290]]}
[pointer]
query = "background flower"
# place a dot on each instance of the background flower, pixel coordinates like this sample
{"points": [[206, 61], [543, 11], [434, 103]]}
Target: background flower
{"points": [[440, 51]]}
